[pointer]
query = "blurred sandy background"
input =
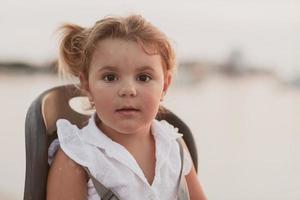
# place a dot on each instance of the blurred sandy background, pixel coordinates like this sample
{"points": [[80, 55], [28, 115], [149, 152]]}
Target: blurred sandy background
{"points": [[238, 85]]}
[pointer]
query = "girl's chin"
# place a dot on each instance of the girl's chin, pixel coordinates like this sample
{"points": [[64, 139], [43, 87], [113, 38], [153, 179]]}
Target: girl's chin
{"points": [[131, 128], [125, 125], [127, 130]]}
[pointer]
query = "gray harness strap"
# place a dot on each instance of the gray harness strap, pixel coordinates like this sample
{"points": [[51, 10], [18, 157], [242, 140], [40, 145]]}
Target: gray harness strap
{"points": [[102, 191], [107, 194]]}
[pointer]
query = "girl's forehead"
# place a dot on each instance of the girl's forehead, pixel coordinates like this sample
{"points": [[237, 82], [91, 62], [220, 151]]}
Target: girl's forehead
{"points": [[109, 44], [123, 51]]}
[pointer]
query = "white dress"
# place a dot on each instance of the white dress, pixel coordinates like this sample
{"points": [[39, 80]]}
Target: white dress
{"points": [[112, 165]]}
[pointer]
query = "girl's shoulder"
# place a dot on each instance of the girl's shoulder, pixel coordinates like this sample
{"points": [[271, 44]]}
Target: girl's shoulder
{"points": [[66, 130], [168, 135], [166, 130], [70, 141]]}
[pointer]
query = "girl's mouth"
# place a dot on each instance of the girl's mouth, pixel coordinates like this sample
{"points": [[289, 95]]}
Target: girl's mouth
{"points": [[127, 111]]}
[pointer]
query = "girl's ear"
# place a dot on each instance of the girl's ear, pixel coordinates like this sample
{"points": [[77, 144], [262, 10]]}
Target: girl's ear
{"points": [[167, 82]]}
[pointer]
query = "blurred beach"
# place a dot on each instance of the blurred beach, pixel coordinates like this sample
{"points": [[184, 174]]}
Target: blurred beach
{"points": [[246, 129]]}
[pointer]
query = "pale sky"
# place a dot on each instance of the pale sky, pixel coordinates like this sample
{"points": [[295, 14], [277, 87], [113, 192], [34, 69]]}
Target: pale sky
{"points": [[266, 31]]}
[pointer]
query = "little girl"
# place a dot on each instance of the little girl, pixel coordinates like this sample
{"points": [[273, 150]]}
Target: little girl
{"points": [[125, 67]]}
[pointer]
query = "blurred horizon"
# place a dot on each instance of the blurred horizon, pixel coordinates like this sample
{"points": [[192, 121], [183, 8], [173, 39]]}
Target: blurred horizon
{"points": [[264, 32]]}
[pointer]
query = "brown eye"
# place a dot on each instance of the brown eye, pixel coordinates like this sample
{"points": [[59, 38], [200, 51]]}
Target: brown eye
{"points": [[144, 78], [110, 77]]}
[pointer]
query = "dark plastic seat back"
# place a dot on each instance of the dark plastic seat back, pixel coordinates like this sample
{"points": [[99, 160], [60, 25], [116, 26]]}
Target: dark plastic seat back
{"points": [[40, 131]]}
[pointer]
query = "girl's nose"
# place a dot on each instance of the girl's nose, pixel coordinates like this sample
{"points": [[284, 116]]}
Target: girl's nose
{"points": [[127, 89]]}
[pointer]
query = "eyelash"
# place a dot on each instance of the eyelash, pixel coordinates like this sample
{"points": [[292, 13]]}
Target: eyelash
{"points": [[107, 76]]}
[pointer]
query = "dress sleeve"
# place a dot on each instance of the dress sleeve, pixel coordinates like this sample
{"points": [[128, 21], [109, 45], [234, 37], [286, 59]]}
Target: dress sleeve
{"points": [[70, 142]]}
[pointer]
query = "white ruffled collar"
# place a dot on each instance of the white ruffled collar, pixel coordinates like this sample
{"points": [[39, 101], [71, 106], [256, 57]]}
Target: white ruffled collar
{"points": [[163, 132]]}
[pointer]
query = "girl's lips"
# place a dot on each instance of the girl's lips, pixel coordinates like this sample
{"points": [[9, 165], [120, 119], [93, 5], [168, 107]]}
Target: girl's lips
{"points": [[127, 108], [128, 111]]}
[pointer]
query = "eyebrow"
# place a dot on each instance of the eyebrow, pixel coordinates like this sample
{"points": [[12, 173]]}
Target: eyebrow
{"points": [[114, 68], [107, 68], [144, 68]]}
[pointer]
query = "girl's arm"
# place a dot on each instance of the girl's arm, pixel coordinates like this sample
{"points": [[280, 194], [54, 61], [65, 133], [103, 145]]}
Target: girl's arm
{"points": [[195, 190], [66, 179]]}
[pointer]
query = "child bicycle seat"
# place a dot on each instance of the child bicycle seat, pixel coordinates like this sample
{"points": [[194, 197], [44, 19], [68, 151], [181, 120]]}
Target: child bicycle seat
{"points": [[40, 131]]}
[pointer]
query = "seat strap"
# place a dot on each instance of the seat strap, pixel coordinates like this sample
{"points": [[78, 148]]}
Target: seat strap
{"points": [[183, 192], [103, 192]]}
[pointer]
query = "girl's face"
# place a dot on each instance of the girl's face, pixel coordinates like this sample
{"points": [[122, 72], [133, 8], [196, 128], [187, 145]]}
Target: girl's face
{"points": [[126, 85]]}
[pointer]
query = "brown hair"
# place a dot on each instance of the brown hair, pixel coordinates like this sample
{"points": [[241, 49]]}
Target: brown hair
{"points": [[78, 44]]}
